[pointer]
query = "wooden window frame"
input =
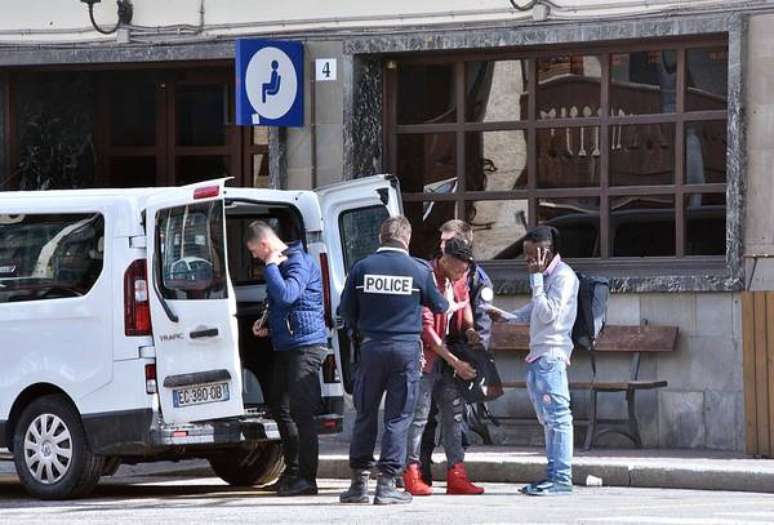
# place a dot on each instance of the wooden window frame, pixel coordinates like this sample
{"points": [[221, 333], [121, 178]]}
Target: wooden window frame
{"points": [[680, 262]]}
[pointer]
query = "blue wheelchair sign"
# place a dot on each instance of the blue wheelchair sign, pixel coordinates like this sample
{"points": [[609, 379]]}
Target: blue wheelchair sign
{"points": [[269, 83]]}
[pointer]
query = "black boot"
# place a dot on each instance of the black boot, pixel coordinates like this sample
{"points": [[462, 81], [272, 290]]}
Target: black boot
{"points": [[386, 494], [298, 487], [358, 490]]}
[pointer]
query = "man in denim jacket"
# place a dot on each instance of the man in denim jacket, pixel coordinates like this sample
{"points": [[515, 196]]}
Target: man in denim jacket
{"points": [[296, 324], [550, 315]]}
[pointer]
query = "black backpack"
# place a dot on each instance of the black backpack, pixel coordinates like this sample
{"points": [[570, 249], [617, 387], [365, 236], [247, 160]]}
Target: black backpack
{"points": [[592, 310]]}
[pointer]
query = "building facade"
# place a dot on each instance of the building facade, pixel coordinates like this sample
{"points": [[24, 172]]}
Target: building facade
{"points": [[640, 129]]}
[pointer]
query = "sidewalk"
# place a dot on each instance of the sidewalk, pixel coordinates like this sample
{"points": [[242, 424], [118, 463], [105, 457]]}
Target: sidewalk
{"points": [[673, 469], [676, 469]]}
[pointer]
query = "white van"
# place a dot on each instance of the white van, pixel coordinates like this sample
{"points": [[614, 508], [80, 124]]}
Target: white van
{"points": [[125, 324]]}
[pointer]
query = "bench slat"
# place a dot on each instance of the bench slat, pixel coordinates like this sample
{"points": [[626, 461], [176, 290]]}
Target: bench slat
{"points": [[614, 338]]}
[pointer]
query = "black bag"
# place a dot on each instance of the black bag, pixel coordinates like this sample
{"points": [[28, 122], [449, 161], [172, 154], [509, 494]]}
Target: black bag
{"points": [[592, 310], [487, 385]]}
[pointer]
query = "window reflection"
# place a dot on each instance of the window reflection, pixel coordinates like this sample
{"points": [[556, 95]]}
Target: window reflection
{"points": [[426, 94], [428, 163], [643, 226], [496, 90], [567, 85], [426, 218], [496, 160], [568, 157], [644, 82], [497, 225], [707, 79], [642, 155], [705, 152], [705, 216]]}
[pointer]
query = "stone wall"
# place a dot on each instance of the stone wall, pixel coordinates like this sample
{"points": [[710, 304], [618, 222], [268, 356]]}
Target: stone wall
{"points": [[759, 235], [703, 405]]}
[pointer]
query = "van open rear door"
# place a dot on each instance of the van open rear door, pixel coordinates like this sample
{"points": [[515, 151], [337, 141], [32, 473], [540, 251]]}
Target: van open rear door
{"points": [[352, 212], [193, 305]]}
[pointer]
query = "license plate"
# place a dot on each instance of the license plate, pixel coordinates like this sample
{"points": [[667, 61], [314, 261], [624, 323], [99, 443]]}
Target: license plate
{"points": [[200, 394]]}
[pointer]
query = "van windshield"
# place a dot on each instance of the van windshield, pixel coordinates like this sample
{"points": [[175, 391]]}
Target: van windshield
{"points": [[49, 256]]}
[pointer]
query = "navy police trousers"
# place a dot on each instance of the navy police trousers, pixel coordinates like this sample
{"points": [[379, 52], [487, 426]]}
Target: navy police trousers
{"points": [[385, 366]]}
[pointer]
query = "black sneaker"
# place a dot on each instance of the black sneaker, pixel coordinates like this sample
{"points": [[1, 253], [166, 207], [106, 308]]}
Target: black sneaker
{"points": [[298, 487]]}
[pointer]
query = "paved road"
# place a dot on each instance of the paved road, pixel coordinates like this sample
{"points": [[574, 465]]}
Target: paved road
{"points": [[207, 500]]}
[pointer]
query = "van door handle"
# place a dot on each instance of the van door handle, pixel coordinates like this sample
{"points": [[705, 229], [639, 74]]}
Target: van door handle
{"points": [[206, 332]]}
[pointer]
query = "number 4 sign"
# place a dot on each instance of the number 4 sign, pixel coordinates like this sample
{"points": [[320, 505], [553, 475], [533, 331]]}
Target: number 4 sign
{"points": [[325, 68]]}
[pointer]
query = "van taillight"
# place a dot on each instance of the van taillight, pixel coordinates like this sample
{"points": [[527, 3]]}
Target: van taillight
{"points": [[137, 319], [205, 192], [326, 279], [150, 379], [330, 374]]}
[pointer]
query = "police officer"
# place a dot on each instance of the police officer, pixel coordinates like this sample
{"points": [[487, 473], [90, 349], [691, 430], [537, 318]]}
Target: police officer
{"points": [[382, 301]]}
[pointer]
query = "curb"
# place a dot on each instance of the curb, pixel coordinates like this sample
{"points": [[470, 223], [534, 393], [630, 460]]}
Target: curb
{"points": [[612, 474]]}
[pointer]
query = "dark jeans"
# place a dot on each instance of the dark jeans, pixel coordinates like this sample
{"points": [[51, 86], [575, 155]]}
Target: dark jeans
{"points": [[295, 402], [392, 367]]}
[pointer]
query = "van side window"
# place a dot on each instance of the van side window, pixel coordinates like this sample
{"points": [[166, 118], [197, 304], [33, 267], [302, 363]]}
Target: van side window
{"points": [[49, 256], [360, 232], [191, 252]]}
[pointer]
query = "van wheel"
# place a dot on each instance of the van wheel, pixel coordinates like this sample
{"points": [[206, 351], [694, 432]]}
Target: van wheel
{"points": [[245, 468], [53, 459]]}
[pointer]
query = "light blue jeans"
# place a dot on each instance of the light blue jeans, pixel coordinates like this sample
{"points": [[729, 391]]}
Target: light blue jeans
{"points": [[550, 394]]}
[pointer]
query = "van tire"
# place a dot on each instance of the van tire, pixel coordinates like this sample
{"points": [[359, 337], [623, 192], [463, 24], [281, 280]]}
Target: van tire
{"points": [[55, 415], [264, 468]]}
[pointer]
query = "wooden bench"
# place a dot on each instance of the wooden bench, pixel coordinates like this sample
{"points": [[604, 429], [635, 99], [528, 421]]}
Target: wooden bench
{"points": [[621, 339]]}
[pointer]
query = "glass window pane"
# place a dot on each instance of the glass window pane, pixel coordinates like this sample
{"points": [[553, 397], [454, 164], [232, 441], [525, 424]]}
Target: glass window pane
{"points": [[196, 169], [706, 78], [49, 256], [568, 157], [705, 152], [132, 172], [426, 218], [705, 216], [260, 135], [496, 90], [261, 171], [191, 249], [496, 160], [360, 232], [577, 220], [427, 163], [426, 94], [568, 86], [201, 115], [642, 155], [643, 82], [642, 226], [133, 112], [497, 226]]}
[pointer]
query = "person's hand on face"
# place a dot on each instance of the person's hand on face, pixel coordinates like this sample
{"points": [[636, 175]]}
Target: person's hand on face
{"points": [[538, 263]]}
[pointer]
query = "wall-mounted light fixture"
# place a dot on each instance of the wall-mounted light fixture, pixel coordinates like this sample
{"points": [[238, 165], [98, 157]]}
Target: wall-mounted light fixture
{"points": [[125, 12]]}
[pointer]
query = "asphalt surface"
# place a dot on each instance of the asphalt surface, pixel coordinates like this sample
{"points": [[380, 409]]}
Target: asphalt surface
{"points": [[161, 499]]}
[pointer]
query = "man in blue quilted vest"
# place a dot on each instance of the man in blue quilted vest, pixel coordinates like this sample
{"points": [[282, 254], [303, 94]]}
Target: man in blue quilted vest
{"points": [[296, 325]]}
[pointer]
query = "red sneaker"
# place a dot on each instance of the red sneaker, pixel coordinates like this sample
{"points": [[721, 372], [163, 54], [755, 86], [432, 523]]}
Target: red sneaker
{"points": [[457, 482], [413, 481]]}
